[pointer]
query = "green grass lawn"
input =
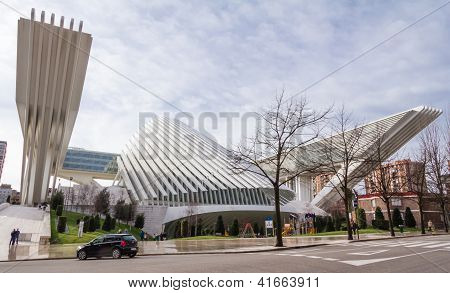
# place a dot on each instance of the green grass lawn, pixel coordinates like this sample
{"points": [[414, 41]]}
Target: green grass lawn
{"points": [[72, 235]]}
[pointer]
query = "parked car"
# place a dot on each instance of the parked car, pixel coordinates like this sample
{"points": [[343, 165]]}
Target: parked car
{"points": [[115, 245]]}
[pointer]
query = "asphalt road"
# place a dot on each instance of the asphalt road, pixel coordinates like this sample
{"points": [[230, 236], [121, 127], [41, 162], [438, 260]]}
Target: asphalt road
{"points": [[418, 254]]}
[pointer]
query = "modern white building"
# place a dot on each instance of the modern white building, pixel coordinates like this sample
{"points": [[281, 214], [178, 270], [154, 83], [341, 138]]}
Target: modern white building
{"points": [[172, 172], [51, 67], [3, 146]]}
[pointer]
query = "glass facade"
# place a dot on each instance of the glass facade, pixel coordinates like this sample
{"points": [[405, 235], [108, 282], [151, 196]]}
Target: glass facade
{"points": [[90, 161]]}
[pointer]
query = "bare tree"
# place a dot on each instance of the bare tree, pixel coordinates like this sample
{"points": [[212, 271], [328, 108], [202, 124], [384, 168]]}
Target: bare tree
{"points": [[83, 195], [384, 180], [418, 183], [276, 153], [436, 147], [342, 153]]}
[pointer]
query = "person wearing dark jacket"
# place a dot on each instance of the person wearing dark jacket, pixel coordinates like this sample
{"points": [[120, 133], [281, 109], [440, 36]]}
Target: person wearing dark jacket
{"points": [[17, 236], [13, 237]]}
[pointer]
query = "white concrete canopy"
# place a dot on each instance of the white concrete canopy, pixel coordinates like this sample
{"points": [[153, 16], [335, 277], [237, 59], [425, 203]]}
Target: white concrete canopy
{"points": [[51, 68]]}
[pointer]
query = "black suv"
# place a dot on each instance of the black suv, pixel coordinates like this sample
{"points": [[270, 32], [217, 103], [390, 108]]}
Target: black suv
{"points": [[114, 245]]}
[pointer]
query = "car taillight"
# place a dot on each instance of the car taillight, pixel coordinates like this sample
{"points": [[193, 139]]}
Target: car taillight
{"points": [[123, 243]]}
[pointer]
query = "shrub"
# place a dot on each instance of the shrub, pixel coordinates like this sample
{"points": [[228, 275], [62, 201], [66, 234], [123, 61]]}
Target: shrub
{"points": [[59, 210], [62, 224], [177, 232], [380, 224], [329, 225], [86, 224], [255, 228], [220, 227], [97, 222], [140, 221], [107, 223], [101, 202], [337, 223], [56, 200], [397, 218], [184, 229], [410, 221], [379, 214], [362, 220], [262, 231], [200, 227], [235, 228], [91, 224], [318, 224], [113, 224]]}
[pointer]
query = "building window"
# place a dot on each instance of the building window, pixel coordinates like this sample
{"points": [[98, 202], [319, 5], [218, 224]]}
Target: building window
{"points": [[396, 202], [374, 203]]}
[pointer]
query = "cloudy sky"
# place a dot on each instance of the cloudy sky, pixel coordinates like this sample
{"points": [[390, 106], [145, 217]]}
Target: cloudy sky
{"points": [[233, 56]]}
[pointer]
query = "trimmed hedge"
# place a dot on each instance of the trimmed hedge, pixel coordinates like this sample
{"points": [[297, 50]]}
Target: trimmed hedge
{"points": [[62, 224], [380, 224], [410, 221], [59, 210], [86, 224], [107, 223]]}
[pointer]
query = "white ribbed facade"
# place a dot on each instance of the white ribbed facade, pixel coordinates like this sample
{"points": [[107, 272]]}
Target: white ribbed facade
{"points": [[170, 164], [51, 68], [172, 171], [396, 131]]}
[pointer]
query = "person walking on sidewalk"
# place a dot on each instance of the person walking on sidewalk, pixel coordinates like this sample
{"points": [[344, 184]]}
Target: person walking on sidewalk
{"points": [[13, 237], [17, 236]]}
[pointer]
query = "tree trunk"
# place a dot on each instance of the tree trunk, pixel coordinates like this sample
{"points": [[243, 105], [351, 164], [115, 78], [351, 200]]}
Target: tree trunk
{"points": [[444, 213], [279, 241], [391, 225], [422, 219], [347, 219]]}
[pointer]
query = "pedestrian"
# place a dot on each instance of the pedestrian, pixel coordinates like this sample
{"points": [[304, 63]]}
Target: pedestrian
{"points": [[142, 234], [13, 237], [353, 226], [17, 236], [430, 225]]}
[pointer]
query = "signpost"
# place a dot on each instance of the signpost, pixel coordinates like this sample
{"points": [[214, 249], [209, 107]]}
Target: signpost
{"points": [[355, 206], [269, 224]]}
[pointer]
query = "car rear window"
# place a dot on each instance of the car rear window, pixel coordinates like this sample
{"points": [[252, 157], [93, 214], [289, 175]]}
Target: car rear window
{"points": [[129, 238]]}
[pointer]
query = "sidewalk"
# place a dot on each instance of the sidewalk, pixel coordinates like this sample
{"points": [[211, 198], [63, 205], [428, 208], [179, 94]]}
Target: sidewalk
{"points": [[34, 224], [30, 251]]}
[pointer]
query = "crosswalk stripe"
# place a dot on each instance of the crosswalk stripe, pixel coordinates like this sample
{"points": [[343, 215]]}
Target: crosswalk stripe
{"points": [[380, 243], [421, 244], [298, 255], [404, 243], [438, 245], [330, 259], [313, 256]]}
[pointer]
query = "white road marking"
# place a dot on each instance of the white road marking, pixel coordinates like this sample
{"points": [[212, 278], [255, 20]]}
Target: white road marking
{"points": [[298, 255], [363, 262], [313, 256], [421, 244], [438, 245], [369, 252], [379, 243], [330, 259]]}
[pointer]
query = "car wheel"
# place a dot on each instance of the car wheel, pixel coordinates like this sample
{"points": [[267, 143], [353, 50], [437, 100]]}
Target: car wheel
{"points": [[116, 253], [82, 255], [132, 255]]}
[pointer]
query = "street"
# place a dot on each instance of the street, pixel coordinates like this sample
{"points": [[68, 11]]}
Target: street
{"points": [[429, 254]]}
